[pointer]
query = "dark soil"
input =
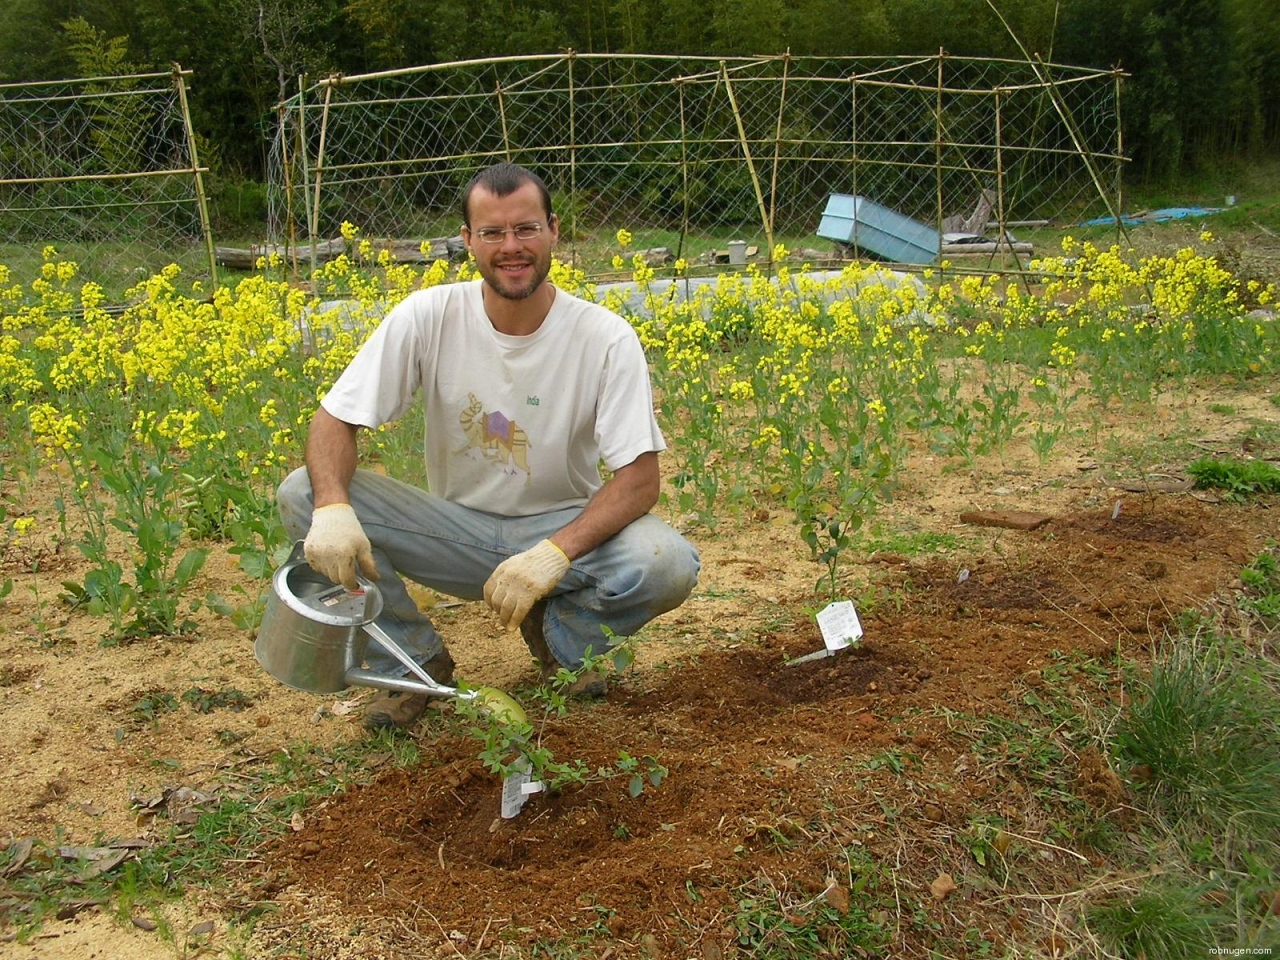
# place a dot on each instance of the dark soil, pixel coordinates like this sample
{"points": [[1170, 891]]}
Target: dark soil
{"points": [[782, 778]]}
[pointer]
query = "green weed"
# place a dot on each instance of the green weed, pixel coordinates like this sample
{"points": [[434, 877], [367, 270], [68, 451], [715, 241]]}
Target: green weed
{"points": [[1261, 579], [149, 708], [782, 924], [1238, 478], [202, 700], [41, 880], [908, 543]]}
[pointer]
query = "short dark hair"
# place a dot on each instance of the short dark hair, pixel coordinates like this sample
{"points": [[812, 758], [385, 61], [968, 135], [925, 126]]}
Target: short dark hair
{"points": [[504, 179]]}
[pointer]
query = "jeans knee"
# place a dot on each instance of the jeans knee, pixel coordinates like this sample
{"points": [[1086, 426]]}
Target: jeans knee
{"points": [[666, 572], [677, 569]]}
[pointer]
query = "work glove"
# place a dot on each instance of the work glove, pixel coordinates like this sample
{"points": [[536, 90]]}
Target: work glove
{"points": [[523, 580], [336, 543]]}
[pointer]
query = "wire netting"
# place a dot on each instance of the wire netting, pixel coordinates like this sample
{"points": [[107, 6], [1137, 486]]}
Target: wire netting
{"points": [[689, 153], [102, 170]]}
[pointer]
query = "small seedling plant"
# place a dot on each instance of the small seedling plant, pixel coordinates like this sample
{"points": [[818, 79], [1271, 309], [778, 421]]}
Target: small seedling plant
{"points": [[511, 745]]}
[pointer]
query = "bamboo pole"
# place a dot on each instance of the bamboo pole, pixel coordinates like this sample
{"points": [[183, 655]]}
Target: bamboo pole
{"points": [[937, 147], [286, 171], [314, 226], [746, 152], [740, 63], [95, 95], [573, 167], [855, 160], [1119, 186], [132, 175], [304, 166], [409, 163], [201, 203], [1001, 214], [1069, 122], [28, 84], [502, 118], [684, 175], [777, 149], [1041, 72]]}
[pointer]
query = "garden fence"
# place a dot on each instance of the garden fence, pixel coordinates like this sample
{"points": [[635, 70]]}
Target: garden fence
{"points": [[690, 153], [106, 171]]}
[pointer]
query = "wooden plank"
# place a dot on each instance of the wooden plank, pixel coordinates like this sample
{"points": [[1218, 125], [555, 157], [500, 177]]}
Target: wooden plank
{"points": [[1011, 519]]}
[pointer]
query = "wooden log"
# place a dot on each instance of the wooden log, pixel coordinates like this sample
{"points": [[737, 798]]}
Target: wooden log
{"points": [[1010, 519], [246, 258]]}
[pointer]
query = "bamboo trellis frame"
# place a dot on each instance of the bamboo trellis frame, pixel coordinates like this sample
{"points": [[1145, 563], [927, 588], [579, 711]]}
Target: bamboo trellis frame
{"points": [[95, 179], [564, 115]]}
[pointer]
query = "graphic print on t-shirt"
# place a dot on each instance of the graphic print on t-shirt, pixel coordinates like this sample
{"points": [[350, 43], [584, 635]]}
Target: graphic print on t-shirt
{"points": [[498, 438]]}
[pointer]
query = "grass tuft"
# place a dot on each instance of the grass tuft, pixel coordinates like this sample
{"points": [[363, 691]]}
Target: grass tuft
{"points": [[1165, 920], [1205, 737], [1239, 478], [1202, 741]]}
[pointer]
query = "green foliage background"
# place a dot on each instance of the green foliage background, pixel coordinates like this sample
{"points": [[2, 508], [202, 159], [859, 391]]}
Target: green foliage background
{"points": [[1204, 72]]}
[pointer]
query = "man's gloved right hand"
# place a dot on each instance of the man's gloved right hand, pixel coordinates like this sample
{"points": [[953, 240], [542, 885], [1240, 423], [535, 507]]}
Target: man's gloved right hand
{"points": [[336, 543]]}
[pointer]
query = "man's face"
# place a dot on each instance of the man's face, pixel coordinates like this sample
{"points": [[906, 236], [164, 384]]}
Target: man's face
{"points": [[512, 267]]}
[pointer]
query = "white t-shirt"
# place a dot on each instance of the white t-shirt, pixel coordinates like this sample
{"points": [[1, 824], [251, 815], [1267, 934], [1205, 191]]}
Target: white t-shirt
{"points": [[514, 425]]}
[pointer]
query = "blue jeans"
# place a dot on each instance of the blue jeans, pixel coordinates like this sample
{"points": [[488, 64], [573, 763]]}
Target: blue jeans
{"points": [[643, 571]]}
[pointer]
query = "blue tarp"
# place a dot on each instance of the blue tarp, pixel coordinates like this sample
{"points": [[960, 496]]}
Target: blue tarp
{"points": [[1153, 216]]}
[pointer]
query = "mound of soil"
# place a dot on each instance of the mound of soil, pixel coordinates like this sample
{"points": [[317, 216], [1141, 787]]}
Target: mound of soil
{"points": [[766, 763]]}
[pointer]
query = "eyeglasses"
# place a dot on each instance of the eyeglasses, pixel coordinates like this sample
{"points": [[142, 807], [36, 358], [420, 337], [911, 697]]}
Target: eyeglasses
{"points": [[523, 231]]}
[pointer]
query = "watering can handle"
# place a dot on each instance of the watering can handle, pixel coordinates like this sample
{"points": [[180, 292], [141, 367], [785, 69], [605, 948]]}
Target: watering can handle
{"points": [[298, 554], [434, 687]]}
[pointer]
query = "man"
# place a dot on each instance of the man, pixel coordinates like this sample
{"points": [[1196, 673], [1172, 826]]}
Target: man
{"points": [[527, 390]]}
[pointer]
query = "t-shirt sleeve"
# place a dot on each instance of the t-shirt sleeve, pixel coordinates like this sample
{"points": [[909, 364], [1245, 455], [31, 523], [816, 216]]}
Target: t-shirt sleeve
{"points": [[384, 376], [625, 423]]}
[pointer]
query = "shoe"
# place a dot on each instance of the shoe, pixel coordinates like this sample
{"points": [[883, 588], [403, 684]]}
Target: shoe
{"points": [[399, 710], [394, 710], [591, 684], [440, 667]]}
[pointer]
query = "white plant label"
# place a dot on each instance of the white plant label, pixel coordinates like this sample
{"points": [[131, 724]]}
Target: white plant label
{"points": [[514, 793], [839, 624]]}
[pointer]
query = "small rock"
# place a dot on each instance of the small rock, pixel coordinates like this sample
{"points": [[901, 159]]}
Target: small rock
{"points": [[942, 886], [838, 897]]}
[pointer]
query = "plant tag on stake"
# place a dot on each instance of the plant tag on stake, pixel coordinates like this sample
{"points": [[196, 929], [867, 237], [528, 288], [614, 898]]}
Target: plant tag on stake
{"points": [[517, 788], [839, 624], [840, 627]]}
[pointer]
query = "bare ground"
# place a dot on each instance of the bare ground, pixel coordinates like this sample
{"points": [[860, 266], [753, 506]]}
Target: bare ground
{"points": [[847, 782]]}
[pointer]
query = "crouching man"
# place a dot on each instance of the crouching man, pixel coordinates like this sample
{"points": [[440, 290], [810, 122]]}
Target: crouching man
{"points": [[526, 391]]}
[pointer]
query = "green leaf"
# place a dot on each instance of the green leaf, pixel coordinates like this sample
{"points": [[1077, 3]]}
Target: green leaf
{"points": [[190, 565], [255, 563], [636, 786], [218, 605]]}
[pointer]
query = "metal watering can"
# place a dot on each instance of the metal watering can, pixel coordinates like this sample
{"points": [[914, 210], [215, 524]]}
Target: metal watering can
{"points": [[314, 634]]}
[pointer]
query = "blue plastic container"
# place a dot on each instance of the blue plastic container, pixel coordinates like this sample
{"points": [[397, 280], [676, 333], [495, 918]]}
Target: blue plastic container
{"points": [[876, 229]]}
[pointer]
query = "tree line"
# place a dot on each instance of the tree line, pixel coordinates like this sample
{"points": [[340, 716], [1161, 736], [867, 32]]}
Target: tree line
{"points": [[1204, 81]]}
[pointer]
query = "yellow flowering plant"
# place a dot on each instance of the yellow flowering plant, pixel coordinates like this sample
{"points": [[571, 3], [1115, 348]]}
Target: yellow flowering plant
{"points": [[799, 390]]}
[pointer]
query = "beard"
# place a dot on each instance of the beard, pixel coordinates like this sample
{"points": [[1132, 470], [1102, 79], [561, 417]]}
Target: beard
{"points": [[510, 288]]}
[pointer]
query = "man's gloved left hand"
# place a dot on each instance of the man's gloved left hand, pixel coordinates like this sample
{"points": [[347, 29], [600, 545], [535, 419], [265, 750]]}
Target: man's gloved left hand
{"points": [[523, 580]]}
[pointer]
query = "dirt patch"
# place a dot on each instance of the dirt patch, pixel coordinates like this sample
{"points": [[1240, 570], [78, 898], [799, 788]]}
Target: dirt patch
{"points": [[763, 757], [789, 785]]}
